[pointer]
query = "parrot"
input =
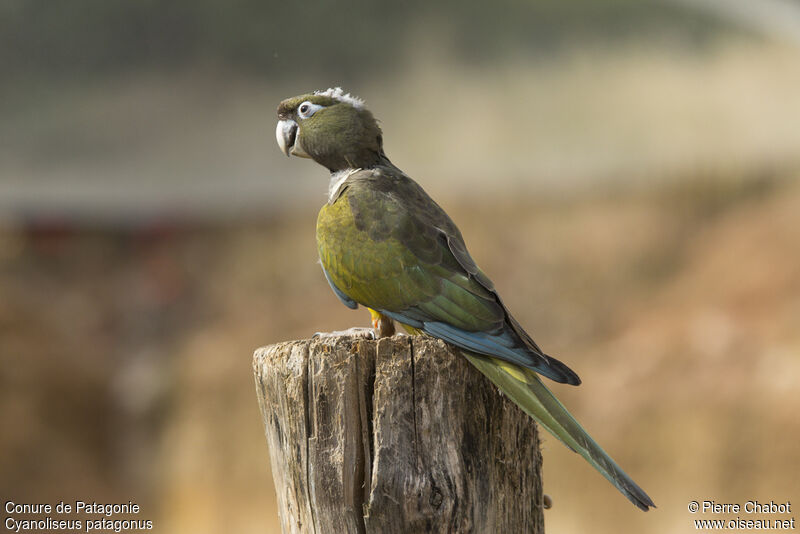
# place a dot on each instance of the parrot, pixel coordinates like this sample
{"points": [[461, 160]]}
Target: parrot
{"points": [[385, 244]]}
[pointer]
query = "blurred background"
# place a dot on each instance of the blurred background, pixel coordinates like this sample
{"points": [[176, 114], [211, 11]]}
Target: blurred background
{"points": [[626, 172]]}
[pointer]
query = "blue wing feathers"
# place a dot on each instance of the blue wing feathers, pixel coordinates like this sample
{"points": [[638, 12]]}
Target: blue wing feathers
{"points": [[501, 344]]}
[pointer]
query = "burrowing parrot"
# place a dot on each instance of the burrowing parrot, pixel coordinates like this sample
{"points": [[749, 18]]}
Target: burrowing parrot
{"points": [[385, 244]]}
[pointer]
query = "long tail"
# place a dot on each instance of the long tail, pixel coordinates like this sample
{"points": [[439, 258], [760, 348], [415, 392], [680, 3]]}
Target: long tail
{"points": [[526, 389]]}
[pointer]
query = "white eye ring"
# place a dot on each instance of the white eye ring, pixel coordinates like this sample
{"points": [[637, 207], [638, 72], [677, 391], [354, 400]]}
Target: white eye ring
{"points": [[306, 109]]}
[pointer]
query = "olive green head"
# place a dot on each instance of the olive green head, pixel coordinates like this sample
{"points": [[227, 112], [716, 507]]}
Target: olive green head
{"points": [[332, 128]]}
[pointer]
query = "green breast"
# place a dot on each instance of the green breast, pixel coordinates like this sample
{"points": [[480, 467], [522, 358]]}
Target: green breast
{"points": [[379, 273], [380, 243]]}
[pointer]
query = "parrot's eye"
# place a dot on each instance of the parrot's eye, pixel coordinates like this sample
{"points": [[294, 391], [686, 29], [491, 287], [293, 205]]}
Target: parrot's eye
{"points": [[306, 109]]}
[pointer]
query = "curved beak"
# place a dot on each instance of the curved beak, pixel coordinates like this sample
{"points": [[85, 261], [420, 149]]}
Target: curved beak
{"points": [[286, 134]]}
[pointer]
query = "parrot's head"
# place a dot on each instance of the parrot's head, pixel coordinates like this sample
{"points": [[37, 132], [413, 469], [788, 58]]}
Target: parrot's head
{"points": [[333, 128]]}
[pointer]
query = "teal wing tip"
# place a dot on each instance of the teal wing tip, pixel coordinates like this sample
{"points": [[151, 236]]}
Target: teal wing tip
{"points": [[558, 371]]}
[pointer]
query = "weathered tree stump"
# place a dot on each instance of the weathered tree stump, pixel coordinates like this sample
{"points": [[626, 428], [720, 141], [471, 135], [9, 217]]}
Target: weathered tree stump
{"points": [[399, 435]]}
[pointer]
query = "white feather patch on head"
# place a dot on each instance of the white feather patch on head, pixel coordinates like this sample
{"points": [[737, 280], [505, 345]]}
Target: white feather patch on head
{"points": [[337, 93]]}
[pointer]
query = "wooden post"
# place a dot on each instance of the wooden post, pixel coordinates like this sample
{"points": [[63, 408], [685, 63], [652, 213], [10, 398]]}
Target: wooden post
{"points": [[398, 435]]}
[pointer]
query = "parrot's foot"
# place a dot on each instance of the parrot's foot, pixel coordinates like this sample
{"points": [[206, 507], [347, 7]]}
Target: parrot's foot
{"points": [[383, 325], [357, 331]]}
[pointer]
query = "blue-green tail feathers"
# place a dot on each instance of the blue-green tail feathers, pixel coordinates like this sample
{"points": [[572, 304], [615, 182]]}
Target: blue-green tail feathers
{"points": [[537, 401]]}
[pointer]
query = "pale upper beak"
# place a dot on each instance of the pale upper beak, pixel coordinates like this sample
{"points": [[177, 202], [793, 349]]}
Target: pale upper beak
{"points": [[286, 135]]}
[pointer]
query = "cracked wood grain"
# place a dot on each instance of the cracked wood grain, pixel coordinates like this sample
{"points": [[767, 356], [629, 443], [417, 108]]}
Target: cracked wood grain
{"points": [[398, 435]]}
